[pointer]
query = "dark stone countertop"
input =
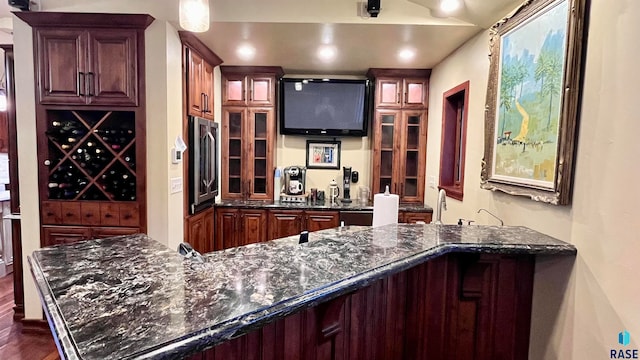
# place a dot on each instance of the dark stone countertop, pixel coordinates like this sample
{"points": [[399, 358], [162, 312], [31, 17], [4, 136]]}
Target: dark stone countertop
{"points": [[130, 297], [353, 206]]}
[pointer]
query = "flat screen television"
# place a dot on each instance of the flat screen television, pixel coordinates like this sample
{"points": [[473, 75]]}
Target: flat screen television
{"points": [[332, 107]]}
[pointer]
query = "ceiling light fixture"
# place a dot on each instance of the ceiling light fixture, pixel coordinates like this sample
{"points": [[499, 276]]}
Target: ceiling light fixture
{"points": [[194, 15], [449, 5], [406, 54], [246, 52], [327, 53]]}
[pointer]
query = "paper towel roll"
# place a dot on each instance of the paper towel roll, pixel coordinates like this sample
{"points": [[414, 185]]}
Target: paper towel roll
{"points": [[385, 209]]}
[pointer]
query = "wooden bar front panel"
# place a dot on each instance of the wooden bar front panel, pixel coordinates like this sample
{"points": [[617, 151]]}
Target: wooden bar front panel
{"points": [[458, 306]]}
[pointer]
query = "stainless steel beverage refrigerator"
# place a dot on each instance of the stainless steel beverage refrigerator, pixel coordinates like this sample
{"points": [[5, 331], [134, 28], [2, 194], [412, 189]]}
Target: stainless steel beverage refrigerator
{"points": [[203, 163]]}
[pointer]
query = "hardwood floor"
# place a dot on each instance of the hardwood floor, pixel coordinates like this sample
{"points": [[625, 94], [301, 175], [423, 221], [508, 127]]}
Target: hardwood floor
{"points": [[14, 345]]}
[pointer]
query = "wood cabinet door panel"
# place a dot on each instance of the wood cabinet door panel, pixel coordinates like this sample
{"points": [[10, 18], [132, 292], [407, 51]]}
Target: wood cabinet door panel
{"points": [[414, 217], [386, 162], [412, 156], [62, 66], [415, 94], [200, 231], [226, 229], [253, 226], [259, 169], [233, 157], [207, 90], [194, 83], [56, 235], [234, 90], [261, 90], [114, 70], [320, 220], [388, 93], [285, 223]]}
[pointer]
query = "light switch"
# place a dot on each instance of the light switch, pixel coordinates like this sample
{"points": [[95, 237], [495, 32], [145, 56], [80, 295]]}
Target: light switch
{"points": [[176, 185], [432, 181]]}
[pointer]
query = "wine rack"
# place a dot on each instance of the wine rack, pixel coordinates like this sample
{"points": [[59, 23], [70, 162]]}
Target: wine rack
{"points": [[91, 155]]}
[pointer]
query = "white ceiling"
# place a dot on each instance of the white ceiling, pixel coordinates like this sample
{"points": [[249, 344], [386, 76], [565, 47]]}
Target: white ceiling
{"points": [[288, 33]]}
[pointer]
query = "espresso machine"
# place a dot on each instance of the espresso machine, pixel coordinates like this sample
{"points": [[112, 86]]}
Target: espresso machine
{"points": [[294, 184], [346, 184]]}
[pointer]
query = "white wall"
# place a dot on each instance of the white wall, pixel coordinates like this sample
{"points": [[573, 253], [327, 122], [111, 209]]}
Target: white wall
{"points": [[164, 122], [355, 152], [580, 304]]}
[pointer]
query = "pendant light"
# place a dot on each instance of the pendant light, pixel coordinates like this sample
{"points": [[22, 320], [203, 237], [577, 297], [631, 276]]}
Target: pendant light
{"points": [[194, 15]]}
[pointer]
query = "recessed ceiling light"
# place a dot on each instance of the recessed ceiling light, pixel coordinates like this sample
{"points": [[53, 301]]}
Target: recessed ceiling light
{"points": [[327, 52], [406, 54], [449, 5], [246, 52]]}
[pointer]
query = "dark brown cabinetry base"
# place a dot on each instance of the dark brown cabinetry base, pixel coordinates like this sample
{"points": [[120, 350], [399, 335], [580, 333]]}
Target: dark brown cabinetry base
{"points": [[458, 306]]}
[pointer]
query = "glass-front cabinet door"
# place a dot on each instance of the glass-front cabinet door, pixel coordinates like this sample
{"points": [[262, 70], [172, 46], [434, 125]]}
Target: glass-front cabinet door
{"points": [[386, 155], [247, 137], [233, 125], [260, 159], [413, 151]]}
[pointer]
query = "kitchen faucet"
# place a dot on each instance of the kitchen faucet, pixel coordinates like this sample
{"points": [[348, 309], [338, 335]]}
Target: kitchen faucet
{"points": [[487, 211], [442, 203]]}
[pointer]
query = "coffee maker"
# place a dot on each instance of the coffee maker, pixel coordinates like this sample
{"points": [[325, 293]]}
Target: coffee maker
{"points": [[346, 184], [294, 180]]}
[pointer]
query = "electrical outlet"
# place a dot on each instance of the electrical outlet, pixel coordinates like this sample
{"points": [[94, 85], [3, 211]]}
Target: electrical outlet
{"points": [[176, 185], [432, 181]]}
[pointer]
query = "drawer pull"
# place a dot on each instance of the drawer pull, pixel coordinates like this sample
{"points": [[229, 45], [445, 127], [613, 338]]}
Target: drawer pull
{"points": [[108, 216], [49, 214], [68, 214], [88, 215]]}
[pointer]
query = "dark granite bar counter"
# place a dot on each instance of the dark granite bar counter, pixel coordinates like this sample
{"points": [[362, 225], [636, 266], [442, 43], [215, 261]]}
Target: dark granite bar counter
{"points": [[353, 206], [130, 297]]}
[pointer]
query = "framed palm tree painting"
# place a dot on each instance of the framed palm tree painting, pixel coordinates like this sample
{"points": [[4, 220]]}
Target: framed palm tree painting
{"points": [[533, 97]]}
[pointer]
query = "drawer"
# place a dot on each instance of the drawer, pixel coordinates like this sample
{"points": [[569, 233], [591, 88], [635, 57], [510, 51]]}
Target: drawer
{"points": [[90, 213], [51, 213], [109, 214], [104, 232], [57, 235], [129, 215], [71, 213]]}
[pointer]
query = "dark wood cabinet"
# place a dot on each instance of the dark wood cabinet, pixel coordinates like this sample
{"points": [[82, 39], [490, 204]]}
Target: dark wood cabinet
{"points": [[226, 229], [399, 133], [413, 217], [90, 123], [237, 227], [87, 67], [199, 231], [57, 235], [254, 89], [200, 85], [320, 220], [248, 142], [253, 226], [248, 132], [283, 223]]}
